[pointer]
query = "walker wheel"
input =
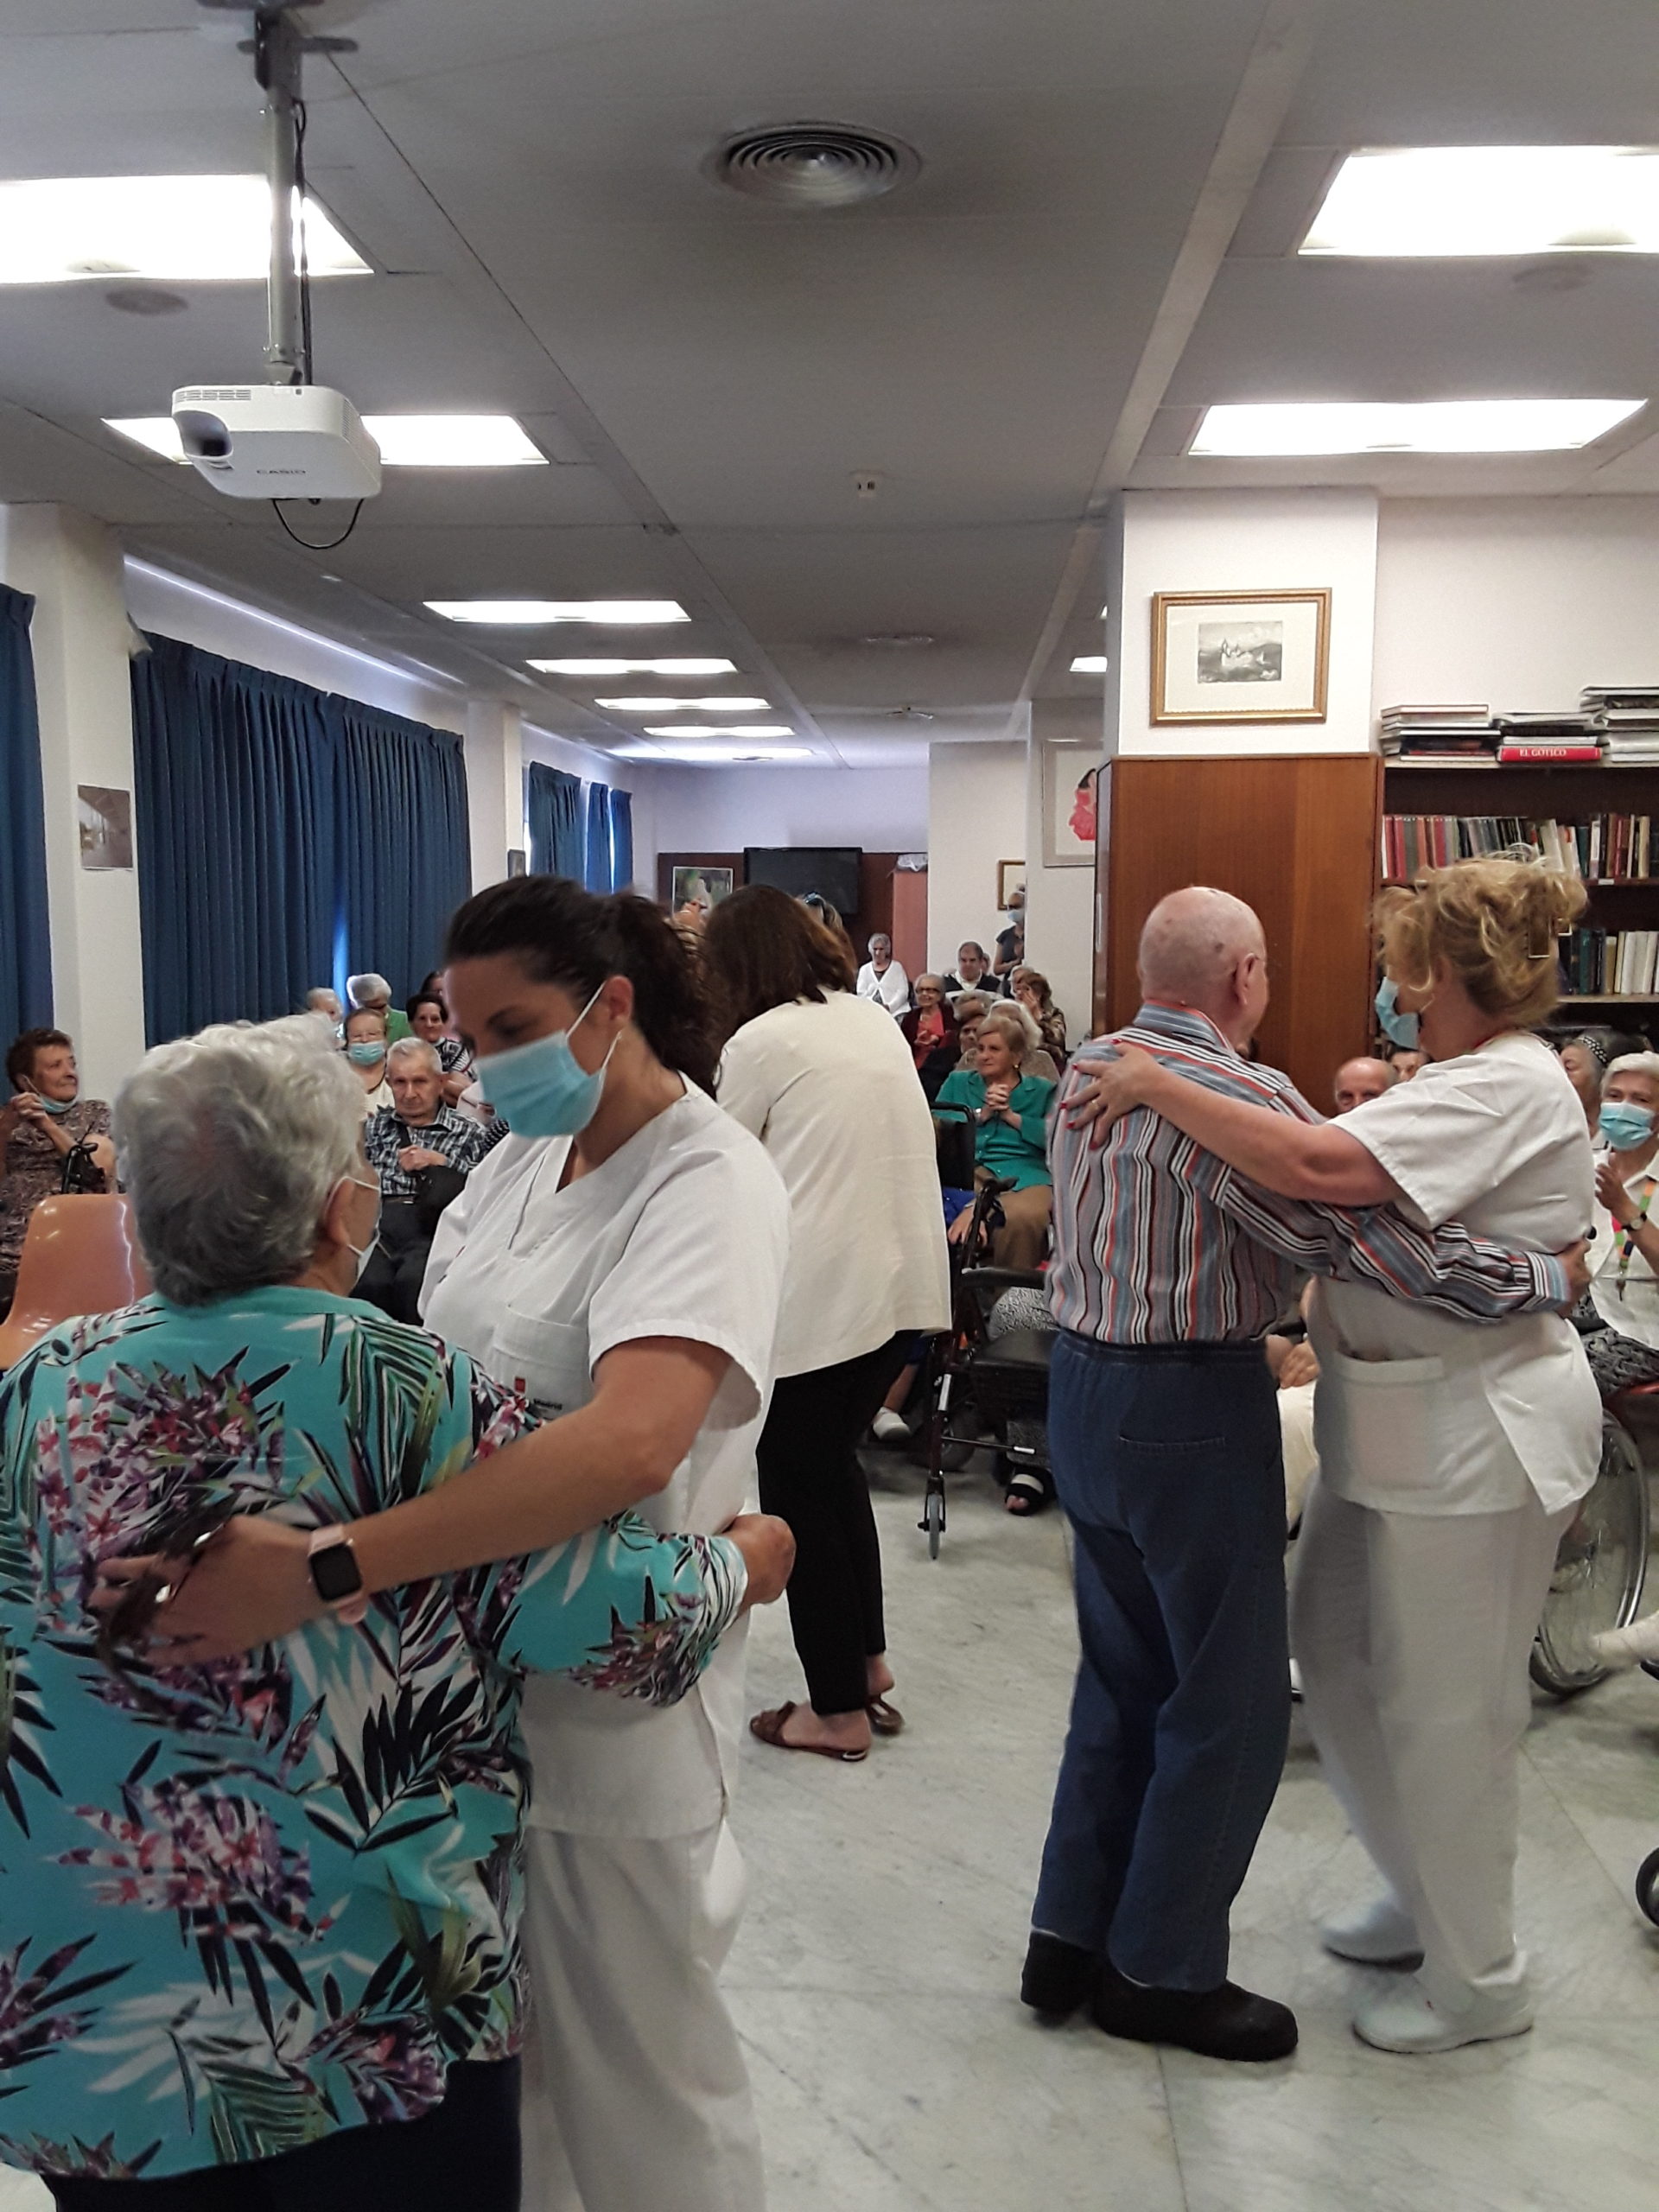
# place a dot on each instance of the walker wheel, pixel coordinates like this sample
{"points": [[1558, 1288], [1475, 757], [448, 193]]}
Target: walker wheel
{"points": [[1647, 1886], [933, 1521]]}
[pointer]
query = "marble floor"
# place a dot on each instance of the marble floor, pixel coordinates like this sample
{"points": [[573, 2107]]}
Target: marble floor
{"points": [[875, 1978]]}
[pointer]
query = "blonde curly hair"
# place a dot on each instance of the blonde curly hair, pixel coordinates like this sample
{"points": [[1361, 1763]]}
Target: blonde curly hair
{"points": [[1494, 923]]}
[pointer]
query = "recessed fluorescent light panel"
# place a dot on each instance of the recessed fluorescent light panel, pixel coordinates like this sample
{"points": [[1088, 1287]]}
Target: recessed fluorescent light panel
{"points": [[715, 756], [718, 729], [593, 667], [405, 441], [684, 706], [532, 614], [1089, 664], [1447, 200], [1409, 426], [59, 230]]}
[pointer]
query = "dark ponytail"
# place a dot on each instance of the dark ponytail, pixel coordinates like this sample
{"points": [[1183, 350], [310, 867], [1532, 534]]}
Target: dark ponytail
{"points": [[559, 933]]}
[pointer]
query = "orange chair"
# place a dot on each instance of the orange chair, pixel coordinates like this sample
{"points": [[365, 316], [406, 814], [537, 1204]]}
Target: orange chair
{"points": [[79, 1256]]}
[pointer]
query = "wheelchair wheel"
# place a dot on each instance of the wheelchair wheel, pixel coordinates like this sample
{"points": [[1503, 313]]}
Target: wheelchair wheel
{"points": [[1599, 1568], [1647, 1886]]}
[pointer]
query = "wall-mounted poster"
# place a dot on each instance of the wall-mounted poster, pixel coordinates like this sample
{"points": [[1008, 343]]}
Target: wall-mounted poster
{"points": [[1240, 656], [1071, 794], [1010, 878], [104, 818], [699, 887]]}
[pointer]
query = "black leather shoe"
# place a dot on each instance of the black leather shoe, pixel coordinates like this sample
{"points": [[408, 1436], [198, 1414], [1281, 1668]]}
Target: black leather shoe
{"points": [[1225, 2023], [1059, 1978]]}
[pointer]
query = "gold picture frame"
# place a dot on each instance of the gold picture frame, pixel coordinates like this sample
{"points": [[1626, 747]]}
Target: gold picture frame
{"points": [[1215, 658], [1010, 877]]}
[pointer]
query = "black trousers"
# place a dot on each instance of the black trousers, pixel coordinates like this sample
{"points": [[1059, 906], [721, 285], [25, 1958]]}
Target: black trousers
{"points": [[463, 2152], [809, 1477], [396, 1267]]}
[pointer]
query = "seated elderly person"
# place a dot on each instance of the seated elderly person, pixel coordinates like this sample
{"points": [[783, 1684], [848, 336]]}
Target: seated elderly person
{"points": [[423, 1150], [1031, 990], [428, 1020], [42, 1123], [284, 1886], [364, 1047], [930, 1030], [1621, 1329], [1011, 1109], [324, 1002], [374, 993], [881, 978]]}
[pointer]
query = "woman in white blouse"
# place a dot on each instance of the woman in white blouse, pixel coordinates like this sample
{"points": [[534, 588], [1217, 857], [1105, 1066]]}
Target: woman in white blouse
{"points": [[827, 1082], [881, 978], [1452, 1458]]}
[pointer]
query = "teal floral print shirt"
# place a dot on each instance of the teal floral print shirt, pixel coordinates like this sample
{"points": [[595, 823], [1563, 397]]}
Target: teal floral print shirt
{"points": [[246, 1903]]}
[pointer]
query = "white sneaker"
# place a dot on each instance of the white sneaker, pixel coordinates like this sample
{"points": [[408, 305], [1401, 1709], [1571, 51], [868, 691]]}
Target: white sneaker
{"points": [[1628, 1647], [1405, 2020], [1381, 1935], [889, 1427]]}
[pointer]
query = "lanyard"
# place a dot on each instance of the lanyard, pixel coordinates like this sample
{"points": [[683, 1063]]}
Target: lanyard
{"points": [[1626, 1243]]}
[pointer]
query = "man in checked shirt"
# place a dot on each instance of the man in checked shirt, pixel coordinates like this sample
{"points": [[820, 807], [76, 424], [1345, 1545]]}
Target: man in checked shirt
{"points": [[1169, 1269]]}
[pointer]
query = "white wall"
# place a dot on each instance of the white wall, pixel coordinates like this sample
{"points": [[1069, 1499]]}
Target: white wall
{"points": [[1224, 542], [1060, 901], [976, 818], [722, 810], [1517, 603]]}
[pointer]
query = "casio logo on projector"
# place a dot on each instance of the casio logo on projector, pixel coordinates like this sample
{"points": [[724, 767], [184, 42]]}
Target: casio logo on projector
{"points": [[242, 436]]}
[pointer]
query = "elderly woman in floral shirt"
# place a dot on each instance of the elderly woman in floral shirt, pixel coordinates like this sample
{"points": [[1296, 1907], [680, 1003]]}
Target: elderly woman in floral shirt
{"points": [[260, 1947]]}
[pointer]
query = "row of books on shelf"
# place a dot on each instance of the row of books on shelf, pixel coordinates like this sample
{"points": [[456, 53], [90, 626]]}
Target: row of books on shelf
{"points": [[1605, 848], [1621, 964], [1618, 726]]}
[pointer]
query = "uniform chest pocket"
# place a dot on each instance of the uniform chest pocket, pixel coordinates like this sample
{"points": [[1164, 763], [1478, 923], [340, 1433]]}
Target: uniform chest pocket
{"points": [[1397, 1426], [546, 1362]]}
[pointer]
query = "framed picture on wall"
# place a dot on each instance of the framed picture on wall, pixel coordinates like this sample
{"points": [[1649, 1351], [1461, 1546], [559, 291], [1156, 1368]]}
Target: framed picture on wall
{"points": [[1071, 789], [704, 887], [104, 820], [1240, 656], [1010, 878]]}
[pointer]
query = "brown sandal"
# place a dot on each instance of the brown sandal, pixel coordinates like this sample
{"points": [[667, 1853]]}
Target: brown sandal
{"points": [[886, 1720], [769, 1727]]}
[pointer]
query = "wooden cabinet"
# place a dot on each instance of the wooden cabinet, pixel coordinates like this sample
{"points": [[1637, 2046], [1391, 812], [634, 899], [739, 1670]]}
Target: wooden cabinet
{"points": [[1297, 837]]}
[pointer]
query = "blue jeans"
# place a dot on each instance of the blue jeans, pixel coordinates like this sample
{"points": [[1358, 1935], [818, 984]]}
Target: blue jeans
{"points": [[1169, 1471]]}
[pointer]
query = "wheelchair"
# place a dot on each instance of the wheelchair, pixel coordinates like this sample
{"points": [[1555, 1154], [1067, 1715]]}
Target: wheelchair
{"points": [[1601, 1564]]}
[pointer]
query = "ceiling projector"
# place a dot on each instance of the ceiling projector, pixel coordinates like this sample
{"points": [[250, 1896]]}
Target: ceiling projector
{"points": [[276, 441]]}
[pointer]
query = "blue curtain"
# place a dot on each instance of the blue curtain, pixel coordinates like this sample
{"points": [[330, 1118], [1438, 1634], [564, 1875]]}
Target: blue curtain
{"points": [[404, 865], [553, 804], [596, 844], [25, 934], [234, 811], [622, 839]]}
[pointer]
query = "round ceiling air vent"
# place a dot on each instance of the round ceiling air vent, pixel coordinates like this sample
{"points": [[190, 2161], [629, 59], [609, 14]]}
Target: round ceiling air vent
{"points": [[813, 164]]}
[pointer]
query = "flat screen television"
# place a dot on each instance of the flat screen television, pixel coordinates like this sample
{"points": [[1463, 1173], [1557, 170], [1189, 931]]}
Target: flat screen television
{"points": [[831, 870]]}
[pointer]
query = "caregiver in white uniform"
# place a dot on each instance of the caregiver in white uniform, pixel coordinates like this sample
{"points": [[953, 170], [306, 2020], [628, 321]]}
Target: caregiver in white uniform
{"points": [[1452, 1455]]}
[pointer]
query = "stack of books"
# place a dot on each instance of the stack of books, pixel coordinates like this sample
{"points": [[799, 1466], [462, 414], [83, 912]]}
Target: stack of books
{"points": [[1456, 737], [1604, 848], [1612, 964], [1630, 722], [1535, 738]]}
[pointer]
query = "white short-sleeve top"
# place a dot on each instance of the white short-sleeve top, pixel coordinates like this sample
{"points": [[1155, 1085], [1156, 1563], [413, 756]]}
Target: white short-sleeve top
{"points": [[1420, 1412], [830, 1087], [1623, 1285], [683, 1232]]}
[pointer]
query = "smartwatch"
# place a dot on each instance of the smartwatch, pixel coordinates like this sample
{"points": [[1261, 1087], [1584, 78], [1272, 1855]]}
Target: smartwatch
{"points": [[336, 1576]]}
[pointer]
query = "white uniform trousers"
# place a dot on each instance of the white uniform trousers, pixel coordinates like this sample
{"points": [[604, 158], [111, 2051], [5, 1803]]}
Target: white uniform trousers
{"points": [[635, 2092], [1412, 1631]]}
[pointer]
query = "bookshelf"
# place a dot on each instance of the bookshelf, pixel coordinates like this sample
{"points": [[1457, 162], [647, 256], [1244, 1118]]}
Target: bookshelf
{"points": [[1566, 792]]}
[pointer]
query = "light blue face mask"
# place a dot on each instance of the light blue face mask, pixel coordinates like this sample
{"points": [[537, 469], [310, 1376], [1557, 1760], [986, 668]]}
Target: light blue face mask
{"points": [[1625, 1125], [56, 1105], [541, 1089], [1399, 1028], [367, 1053]]}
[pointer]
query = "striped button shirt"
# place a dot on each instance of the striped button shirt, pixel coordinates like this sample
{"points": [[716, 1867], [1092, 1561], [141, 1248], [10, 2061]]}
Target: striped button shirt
{"points": [[1157, 1241], [462, 1143]]}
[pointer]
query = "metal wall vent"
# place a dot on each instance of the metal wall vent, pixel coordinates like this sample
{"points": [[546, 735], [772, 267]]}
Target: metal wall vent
{"points": [[813, 164]]}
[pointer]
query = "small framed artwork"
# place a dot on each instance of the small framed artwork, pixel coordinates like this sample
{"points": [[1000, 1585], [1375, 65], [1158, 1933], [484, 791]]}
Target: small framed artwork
{"points": [[517, 862], [1010, 878], [1071, 801], [105, 820], [702, 888], [1240, 656]]}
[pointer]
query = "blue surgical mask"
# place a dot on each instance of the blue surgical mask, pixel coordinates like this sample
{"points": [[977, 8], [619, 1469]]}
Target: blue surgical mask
{"points": [[1625, 1126], [541, 1089], [56, 1105], [367, 1053], [1399, 1028]]}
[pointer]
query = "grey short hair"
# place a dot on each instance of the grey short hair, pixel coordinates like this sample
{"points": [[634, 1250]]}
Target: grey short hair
{"points": [[411, 1048], [368, 990], [230, 1144], [1645, 1063]]}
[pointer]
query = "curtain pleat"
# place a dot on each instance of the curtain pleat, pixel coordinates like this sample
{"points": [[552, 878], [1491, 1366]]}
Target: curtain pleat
{"points": [[25, 931], [405, 862], [622, 839], [553, 804], [596, 843]]}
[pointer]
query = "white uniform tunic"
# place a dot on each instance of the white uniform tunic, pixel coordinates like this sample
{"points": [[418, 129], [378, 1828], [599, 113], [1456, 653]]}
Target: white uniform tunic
{"points": [[635, 2088]]}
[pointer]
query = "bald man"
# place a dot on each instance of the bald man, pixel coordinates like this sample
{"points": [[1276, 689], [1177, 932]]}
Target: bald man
{"points": [[1358, 1080], [1169, 1269]]}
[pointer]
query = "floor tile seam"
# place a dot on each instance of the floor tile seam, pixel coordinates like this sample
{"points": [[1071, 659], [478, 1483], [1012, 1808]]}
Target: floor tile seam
{"points": [[1620, 1890], [1170, 2121]]}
